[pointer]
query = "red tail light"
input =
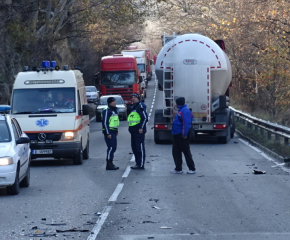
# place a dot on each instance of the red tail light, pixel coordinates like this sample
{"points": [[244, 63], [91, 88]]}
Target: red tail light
{"points": [[161, 127], [219, 126]]}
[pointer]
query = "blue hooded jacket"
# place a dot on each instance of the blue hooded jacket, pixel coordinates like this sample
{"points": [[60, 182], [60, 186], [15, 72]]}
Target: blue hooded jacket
{"points": [[182, 121]]}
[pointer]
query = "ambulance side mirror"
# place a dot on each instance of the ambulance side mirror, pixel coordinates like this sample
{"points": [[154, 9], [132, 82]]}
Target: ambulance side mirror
{"points": [[86, 109]]}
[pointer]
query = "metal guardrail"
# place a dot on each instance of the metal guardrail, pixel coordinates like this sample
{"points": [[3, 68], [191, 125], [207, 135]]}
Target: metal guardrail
{"points": [[263, 127]]}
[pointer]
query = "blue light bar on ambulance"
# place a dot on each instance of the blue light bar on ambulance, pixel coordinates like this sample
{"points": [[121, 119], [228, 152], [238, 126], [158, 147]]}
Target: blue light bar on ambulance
{"points": [[4, 108], [56, 81], [45, 64], [53, 64]]}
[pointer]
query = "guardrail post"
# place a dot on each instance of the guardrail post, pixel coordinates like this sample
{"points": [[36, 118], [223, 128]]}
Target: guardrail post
{"points": [[277, 138], [256, 128], [286, 141], [249, 125], [262, 131], [269, 135]]}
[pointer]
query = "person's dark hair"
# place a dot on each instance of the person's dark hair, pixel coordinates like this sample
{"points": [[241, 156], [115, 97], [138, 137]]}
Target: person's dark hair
{"points": [[135, 95], [110, 99], [180, 101]]}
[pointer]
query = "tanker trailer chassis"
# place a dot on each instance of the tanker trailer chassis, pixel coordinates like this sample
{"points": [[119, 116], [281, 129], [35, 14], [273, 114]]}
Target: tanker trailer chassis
{"points": [[221, 127]]}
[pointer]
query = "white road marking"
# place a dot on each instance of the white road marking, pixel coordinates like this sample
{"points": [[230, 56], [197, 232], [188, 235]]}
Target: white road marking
{"points": [[116, 193], [265, 156], [95, 231], [127, 171]]}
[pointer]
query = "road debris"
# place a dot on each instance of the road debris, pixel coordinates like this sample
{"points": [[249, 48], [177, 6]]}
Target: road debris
{"points": [[156, 207], [73, 230], [149, 222], [154, 199], [259, 172], [166, 227]]}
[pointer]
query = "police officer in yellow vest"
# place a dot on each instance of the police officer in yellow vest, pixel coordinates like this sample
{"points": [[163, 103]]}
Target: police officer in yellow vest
{"points": [[110, 121], [137, 120]]}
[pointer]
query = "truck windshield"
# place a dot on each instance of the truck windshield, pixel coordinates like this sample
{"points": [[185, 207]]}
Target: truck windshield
{"points": [[4, 132], [117, 78], [43, 100], [141, 67]]}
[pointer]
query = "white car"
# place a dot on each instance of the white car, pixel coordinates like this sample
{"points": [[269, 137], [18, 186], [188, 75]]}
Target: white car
{"points": [[103, 103], [14, 154], [92, 93]]}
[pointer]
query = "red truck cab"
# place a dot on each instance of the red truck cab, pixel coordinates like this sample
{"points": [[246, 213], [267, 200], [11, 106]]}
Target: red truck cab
{"points": [[119, 75]]}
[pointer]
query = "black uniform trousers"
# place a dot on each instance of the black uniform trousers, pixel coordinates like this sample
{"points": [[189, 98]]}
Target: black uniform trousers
{"points": [[111, 144], [138, 147], [181, 145]]}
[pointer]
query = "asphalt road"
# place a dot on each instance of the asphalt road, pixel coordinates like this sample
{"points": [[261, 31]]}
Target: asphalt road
{"points": [[224, 200]]}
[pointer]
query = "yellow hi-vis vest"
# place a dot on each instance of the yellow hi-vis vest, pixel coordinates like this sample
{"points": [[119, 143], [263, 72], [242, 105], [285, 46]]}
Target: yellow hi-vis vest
{"points": [[113, 121], [133, 118]]}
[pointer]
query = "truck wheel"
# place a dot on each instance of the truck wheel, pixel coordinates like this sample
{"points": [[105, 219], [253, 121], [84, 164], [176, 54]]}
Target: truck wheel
{"points": [[14, 189], [26, 181], [86, 154], [78, 159]]}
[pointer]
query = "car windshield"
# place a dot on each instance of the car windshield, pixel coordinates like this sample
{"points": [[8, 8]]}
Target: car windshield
{"points": [[141, 67], [91, 89], [4, 132], [117, 78], [103, 100], [43, 100]]}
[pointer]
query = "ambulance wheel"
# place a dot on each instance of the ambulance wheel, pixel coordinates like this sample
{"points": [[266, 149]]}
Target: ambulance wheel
{"points": [[86, 154], [78, 159]]}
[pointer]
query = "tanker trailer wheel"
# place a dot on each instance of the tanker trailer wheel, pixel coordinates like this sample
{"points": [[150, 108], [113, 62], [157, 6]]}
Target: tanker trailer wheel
{"points": [[232, 124], [158, 117]]}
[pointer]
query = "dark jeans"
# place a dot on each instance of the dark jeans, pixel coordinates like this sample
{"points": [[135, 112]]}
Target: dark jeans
{"points": [[138, 147], [181, 145], [112, 145]]}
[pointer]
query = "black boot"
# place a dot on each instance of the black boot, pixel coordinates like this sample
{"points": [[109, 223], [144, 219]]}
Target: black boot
{"points": [[110, 165]]}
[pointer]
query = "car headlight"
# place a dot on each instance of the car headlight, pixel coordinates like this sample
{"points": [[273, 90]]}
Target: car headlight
{"points": [[68, 135], [4, 161]]}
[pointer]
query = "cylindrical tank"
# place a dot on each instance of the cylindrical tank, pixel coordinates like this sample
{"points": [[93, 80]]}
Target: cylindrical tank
{"points": [[186, 55]]}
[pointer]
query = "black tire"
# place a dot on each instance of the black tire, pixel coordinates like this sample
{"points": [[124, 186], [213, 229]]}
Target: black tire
{"points": [[157, 141], [26, 181], [86, 153], [14, 189], [78, 159]]}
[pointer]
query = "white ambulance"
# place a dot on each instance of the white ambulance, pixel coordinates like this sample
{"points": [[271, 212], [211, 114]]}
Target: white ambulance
{"points": [[51, 106]]}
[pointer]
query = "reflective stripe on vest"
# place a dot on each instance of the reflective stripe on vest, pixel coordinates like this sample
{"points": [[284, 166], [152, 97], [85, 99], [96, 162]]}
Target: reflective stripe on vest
{"points": [[113, 121], [133, 118]]}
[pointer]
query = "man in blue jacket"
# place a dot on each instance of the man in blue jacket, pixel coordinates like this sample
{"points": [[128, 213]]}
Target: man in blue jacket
{"points": [[137, 121], [181, 127], [110, 122]]}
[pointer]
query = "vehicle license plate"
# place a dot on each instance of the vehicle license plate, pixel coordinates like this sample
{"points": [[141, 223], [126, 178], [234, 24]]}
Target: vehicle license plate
{"points": [[42, 151]]}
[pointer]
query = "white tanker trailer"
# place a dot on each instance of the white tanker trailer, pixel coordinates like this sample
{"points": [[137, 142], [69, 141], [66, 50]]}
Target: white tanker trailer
{"points": [[195, 67]]}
